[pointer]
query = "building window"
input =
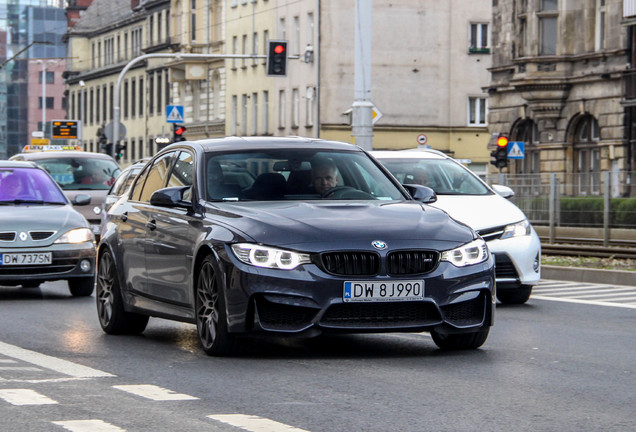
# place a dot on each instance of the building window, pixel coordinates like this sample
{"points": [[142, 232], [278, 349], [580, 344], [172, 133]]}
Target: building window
{"points": [[151, 29], [125, 99], [50, 78], [477, 111], [159, 93], [254, 113], [234, 50], [310, 28], [105, 103], [151, 94], [111, 102], [296, 36], [479, 38], [309, 107], [135, 36], [600, 25], [234, 127], [526, 130], [109, 51], [244, 115], [265, 112], [282, 29], [254, 47], [548, 27], [281, 109], [133, 97], [587, 155], [97, 105], [193, 21], [244, 50], [295, 109], [141, 96], [49, 103]]}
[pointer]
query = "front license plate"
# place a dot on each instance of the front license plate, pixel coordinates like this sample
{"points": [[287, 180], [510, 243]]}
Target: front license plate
{"points": [[373, 291], [26, 258]]}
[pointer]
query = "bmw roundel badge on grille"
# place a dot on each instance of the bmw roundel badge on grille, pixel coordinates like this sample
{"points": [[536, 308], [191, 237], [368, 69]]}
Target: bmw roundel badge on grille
{"points": [[379, 244]]}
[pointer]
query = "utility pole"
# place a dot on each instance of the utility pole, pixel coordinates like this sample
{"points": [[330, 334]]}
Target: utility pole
{"points": [[362, 108]]}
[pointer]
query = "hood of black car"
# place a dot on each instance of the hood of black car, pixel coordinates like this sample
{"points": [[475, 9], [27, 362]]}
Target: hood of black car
{"points": [[352, 223]]}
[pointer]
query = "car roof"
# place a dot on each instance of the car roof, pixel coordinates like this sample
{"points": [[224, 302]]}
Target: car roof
{"points": [[409, 154], [17, 164], [264, 143], [65, 154]]}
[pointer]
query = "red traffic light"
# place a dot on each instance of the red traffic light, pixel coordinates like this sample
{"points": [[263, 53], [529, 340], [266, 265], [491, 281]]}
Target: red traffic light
{"points": [[279, 49], [502, 141], [180, 130]]}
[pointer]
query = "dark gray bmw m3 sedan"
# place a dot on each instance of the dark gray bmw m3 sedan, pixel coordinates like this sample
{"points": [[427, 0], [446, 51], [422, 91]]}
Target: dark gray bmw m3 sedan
{"points": [[288, 236]]}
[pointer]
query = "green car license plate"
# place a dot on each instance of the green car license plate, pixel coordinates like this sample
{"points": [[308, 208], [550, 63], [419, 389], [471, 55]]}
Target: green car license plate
{"points": [[26, 258], [374, 291]]}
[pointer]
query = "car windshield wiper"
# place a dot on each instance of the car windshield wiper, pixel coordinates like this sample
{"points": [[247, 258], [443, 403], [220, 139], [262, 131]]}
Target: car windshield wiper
{"points": [[23, 201]]}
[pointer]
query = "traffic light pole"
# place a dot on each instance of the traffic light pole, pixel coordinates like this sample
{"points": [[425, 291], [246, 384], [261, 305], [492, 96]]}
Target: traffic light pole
{"points": [[116, 96]]}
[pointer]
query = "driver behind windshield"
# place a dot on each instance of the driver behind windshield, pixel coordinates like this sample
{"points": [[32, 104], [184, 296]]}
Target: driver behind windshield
{"points": [[324, 174], [12, 187]]}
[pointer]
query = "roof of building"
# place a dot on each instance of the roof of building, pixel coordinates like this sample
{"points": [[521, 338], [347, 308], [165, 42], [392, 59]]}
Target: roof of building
{"points": [[103, 13]]}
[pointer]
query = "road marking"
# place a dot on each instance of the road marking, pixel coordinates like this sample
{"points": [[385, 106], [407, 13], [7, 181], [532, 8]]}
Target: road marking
{"points": [[52, 363], [153, 392], [586, 293], [25, 397], [20, 368], [88, 426], [254, 423]]}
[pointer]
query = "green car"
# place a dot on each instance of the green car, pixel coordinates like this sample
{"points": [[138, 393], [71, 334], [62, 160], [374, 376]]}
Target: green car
{"points": [[42, 236]]}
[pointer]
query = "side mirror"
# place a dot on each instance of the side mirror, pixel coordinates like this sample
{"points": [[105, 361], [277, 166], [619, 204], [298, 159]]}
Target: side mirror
{"points": [[421, 193], [81, 200], [171, 197], [504, 191]]}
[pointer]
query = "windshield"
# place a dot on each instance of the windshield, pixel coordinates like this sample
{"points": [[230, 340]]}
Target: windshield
{"points": [[81, 173], [28, 185], [444, 176], [296, 174]]}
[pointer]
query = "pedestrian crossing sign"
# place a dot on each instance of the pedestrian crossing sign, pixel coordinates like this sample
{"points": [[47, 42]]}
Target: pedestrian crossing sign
{"points": [[174, 114], [516, 150]]}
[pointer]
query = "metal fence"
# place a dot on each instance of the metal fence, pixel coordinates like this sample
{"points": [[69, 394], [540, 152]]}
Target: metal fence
{"points": [[593, 200]]}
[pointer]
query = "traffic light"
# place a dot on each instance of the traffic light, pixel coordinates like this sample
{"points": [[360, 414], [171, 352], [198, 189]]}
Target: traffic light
{"points": [[501, 154], [119, 151], [178, 132], [107, 148], [277, 58]]}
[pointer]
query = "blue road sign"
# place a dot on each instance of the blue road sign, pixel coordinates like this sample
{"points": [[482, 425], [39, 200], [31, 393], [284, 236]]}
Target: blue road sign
{"points": [[516, 149], [174, 114]]}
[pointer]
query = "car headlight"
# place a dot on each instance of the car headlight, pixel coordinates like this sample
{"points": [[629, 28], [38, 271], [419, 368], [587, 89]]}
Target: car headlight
{"points": [[77, 235], [471, 253], [263, 256], [518, 229]]}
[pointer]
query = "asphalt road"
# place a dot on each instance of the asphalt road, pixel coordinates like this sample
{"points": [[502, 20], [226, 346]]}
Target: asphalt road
{"points": [[547, 366]]}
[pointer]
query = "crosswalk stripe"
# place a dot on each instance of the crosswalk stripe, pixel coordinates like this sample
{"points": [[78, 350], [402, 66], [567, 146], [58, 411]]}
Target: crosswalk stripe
{"points": [[88, 426], [254, 423], [53, 363], [25, 397], [154, 392]]}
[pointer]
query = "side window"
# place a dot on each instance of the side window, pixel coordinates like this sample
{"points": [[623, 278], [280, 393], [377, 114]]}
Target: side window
{"points": [[156, 177], [138, 184], [183, 170]]}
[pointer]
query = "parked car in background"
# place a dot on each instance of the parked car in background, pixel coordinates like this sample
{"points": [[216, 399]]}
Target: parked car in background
{"points": [[77, 172], [123, 182], [319, 239], [42, 236], [463, 195]]}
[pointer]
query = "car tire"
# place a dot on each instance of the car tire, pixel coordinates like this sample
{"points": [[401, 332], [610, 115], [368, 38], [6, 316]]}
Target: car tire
{"points": [[81, 287], [210, 311], [515, 296], [110, 305], [460, 341]]}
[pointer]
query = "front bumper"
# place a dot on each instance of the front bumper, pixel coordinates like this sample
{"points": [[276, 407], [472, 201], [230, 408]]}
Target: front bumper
{"points": [[518, 260], [66, 264], [308, 301]]}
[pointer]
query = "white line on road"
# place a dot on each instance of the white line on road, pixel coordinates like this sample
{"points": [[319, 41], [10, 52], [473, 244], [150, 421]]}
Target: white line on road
{"points": [[153, 392], [52, 363], [589, 302], [88, 426], [25, 397], [254, 423], [20, 368]]}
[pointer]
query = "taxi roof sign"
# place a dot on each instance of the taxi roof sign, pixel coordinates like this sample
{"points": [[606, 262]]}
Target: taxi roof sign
{"points": [[40, 148]]}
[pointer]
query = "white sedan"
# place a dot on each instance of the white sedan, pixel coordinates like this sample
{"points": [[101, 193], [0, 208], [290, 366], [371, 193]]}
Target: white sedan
{"points": [[464, 196]]}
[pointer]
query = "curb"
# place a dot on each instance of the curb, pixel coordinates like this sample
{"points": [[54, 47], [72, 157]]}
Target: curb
{"points": [[578, 274]]}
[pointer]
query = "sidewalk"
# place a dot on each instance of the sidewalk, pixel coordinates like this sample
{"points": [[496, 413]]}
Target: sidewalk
{"points": [[578, 274]]}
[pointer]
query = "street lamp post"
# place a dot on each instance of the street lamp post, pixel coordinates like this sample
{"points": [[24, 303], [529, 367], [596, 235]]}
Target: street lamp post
{"points": [[44, 64]]}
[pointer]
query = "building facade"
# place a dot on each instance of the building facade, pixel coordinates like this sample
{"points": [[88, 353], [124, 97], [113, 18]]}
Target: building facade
{"points": [[557, 86]]}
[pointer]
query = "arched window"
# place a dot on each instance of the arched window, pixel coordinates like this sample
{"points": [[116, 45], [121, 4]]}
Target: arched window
{"points": [[526, 130], [587, 155]]}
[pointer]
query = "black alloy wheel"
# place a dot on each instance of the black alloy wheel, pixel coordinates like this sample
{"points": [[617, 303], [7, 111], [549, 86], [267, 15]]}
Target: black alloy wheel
{"points": [[110, 306], [210, 312]]}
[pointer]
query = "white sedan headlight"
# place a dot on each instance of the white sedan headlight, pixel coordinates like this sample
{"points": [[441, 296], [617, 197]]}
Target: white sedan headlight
{"points": [[518, 229], [471, 253], [78, 235], [263, 256]]}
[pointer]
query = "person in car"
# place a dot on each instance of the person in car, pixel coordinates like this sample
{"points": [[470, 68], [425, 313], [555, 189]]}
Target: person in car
{"points": [[324, 175], [12, 187]]}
